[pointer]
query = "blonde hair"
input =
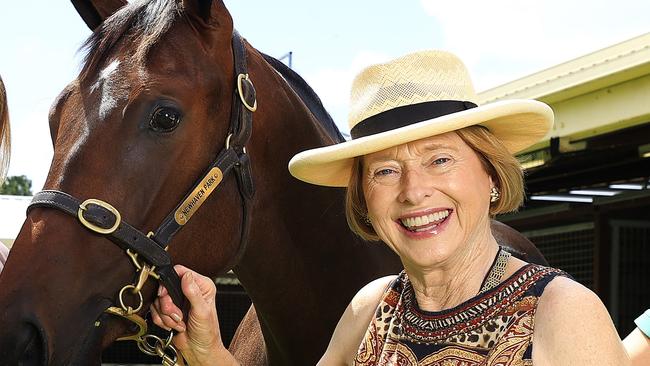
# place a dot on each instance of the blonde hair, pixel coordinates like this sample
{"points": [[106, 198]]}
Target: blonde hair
{"points": [[498, 162], [5, 135]]}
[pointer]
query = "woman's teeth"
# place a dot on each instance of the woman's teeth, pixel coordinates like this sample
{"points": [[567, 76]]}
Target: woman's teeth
{"points": [[413, 223]]}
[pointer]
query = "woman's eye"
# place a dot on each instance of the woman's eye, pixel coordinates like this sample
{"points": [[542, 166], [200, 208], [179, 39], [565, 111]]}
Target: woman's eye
{"points": [[384, 172], [440, 161], [164, 119]]}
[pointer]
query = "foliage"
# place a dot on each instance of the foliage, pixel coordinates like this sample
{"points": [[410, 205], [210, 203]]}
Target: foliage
{"points": [[18, 185]]}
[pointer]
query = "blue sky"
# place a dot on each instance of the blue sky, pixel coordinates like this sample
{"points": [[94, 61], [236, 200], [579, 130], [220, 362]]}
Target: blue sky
{"points": [[331, 41]]}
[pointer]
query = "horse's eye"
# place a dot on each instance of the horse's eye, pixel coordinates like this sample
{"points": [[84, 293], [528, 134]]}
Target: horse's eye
{"points": [[164, 119]]}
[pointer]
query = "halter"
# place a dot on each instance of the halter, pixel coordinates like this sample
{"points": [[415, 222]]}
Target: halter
{"points": [[149, 251]]}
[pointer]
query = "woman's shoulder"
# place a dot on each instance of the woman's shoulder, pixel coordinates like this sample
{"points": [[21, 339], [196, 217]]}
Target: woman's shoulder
{"points": [[370, 295], [564, 295], [354, 322], [572, 326]]}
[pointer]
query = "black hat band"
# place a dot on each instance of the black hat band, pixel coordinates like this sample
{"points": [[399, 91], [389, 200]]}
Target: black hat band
{"points": [[408, 115]]}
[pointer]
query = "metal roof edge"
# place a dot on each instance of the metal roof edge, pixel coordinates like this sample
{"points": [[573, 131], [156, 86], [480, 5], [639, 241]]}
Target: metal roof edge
{"points": [[593, 71]]}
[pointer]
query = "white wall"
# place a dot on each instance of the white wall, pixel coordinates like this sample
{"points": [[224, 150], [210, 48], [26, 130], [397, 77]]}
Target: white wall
{"points": [[12, 215]]}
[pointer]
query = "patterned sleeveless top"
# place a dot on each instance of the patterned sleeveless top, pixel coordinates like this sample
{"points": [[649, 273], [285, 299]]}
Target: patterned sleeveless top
{"points": [[493, 328]]}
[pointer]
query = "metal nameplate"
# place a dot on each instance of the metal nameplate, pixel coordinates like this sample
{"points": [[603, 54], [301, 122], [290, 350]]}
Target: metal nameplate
{"points": [[198, 196]]}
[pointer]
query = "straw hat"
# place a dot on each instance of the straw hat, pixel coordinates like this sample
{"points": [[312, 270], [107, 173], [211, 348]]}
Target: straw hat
{"points": [[416, 96]]}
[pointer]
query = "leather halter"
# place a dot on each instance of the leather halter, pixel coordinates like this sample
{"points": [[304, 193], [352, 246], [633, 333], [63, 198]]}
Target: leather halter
{"points": [[100, 217]]}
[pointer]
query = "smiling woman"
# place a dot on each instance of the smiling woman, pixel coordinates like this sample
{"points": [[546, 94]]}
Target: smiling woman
{"points": [[425, 172], [493, 157]]}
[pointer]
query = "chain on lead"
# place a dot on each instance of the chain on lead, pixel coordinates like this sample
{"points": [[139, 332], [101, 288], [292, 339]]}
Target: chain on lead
{"points": [[145, 271], [161, 348]]}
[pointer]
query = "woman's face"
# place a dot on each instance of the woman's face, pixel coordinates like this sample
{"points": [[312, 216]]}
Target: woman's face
{"points": [[428, 198]]}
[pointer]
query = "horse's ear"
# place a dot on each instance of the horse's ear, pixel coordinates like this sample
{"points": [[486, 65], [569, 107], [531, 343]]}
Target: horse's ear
{"points": [[210, 12], [94, 12]]}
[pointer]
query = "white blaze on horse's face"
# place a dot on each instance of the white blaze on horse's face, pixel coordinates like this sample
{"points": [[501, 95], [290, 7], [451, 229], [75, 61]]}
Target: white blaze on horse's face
{"points": [[107, 84]]}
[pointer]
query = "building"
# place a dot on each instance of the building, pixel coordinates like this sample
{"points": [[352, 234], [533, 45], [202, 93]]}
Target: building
{"points": [[587, 182]]}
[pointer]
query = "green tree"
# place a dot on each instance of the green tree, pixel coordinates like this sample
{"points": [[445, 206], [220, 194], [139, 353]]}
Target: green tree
{"points": [[17, 185]]}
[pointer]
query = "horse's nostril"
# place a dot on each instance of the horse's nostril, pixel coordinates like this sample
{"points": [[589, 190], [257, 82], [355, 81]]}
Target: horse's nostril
{"points": [[34, 353]]}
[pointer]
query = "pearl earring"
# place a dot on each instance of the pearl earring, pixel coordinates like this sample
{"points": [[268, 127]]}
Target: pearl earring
{"points": [[494, 194]]}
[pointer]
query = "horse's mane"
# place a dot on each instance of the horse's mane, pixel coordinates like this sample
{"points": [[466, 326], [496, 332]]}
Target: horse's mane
{"points": [[147, 20], [5, 140], [152, 19], [308, 96]]}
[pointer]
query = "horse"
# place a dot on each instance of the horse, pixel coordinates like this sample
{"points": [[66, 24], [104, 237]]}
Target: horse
{"points": [[5, 135], [145, 117]]}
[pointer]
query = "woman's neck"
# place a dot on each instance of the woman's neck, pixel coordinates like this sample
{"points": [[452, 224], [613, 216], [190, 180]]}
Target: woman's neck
{"points": [[455, 281]]}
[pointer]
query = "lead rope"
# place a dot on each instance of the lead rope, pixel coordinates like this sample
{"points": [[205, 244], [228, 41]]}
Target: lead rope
{"points": [[148, 343]]}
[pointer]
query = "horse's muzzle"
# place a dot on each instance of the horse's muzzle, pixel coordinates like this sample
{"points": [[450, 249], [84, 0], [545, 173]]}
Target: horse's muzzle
{"points": [[25, 347]]}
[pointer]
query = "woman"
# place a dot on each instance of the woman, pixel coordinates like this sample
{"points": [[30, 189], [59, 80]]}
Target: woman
{"points": [[426, 170], [5, 150]]}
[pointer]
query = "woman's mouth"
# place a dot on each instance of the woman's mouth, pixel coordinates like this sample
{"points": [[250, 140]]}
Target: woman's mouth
{"points": [[424, 223]]}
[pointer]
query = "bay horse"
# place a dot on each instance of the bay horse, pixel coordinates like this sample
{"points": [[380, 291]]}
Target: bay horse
{"points": [[145, 117]]}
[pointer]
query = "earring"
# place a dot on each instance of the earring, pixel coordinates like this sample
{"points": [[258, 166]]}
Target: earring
{"points": [[494, 194], [367, 220]]}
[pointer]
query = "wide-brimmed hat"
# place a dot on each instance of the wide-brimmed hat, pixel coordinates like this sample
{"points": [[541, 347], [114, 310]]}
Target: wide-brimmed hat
{"points": [[416, 96]]}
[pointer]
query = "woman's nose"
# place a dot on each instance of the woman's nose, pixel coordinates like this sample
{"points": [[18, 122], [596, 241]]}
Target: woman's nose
{"points": [[415, 187]]}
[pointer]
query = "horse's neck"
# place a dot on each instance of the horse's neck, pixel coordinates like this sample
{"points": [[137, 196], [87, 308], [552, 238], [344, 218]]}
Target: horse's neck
{"points": [[303, 264]]}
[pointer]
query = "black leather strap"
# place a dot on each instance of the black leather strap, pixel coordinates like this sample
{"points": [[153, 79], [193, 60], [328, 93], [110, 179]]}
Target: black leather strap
{"points": [[225, 161], [125, 235]]}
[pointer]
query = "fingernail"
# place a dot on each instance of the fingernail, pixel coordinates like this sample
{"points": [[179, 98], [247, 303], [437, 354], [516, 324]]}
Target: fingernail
{"points": [[159, 290], [180, 328], [176, 317]]}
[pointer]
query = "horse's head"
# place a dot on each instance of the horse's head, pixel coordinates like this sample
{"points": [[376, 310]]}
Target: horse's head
{"points": [[147, 115]]}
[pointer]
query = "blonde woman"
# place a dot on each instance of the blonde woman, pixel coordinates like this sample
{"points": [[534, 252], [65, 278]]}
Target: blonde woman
{"points": [[425, 171]]}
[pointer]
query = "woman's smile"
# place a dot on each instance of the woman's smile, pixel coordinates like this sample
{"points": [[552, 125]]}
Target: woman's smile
{"points": [[424, 224]]}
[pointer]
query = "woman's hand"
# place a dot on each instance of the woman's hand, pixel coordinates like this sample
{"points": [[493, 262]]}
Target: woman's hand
{"points": [[198, 338]]}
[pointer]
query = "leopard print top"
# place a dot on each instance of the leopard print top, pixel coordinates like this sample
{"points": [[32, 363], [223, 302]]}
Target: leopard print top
{"points": [[493, 328]]}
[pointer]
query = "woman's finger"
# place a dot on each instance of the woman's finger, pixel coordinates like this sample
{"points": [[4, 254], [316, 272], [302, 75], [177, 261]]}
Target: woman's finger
{"points": [[162, 290], [168, 321], [168, 312], [196, 293], [155, 316], [166, 306]]}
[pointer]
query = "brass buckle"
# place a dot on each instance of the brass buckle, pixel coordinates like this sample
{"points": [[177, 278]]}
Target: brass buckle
{"points": [[93, 227], [241, 77]]}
